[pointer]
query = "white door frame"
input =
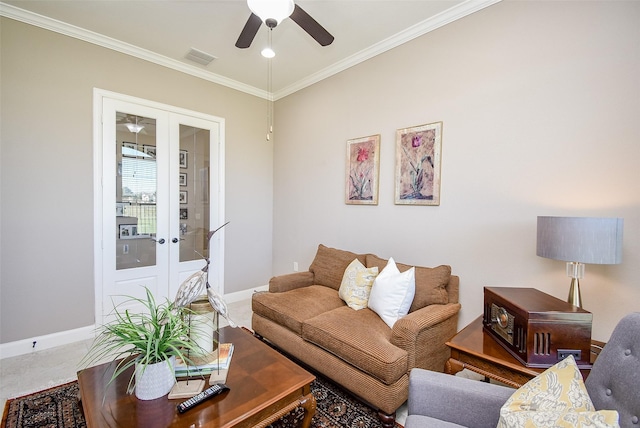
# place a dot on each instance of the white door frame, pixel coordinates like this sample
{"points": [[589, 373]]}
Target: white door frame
{"points": [[217, 185]]}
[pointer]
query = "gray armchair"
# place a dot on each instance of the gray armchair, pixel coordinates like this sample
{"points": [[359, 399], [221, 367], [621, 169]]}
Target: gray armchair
{"points": [[440, 400]]}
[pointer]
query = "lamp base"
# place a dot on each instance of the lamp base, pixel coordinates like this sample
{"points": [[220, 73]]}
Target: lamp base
{"points": [[575, 298]]}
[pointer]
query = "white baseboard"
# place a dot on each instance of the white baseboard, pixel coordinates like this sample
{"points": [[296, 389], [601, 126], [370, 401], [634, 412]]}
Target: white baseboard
{"points": [[244, 294], [39, 343]]}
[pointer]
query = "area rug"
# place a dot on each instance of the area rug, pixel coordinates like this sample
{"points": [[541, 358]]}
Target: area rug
{"points": [[55, 407], [58, 407]]}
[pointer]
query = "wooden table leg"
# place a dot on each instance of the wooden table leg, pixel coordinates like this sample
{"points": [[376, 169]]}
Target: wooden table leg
{"points": [[308, 403]]}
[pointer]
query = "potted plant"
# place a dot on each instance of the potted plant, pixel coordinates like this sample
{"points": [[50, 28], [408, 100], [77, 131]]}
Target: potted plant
{"points": [[148, 341]]}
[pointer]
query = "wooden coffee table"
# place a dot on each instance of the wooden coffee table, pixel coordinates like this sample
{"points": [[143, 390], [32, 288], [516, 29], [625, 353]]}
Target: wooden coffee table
{"points": [[264, 386]]}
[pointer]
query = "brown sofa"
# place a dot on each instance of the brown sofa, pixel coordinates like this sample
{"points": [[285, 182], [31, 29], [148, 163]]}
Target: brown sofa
{"points": [[303, 316]]}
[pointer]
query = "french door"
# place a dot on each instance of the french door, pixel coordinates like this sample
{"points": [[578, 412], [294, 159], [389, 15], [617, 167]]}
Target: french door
{"points": [[161, 191]]}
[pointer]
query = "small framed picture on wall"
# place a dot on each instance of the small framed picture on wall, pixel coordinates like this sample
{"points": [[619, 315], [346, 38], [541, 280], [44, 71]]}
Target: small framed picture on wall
{"points": [[183, 197], [183, 178], [363, 165], [149, 150], [184, 159], [417, 180], [127, 231]]}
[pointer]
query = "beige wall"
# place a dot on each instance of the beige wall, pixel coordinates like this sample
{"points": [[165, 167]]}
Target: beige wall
{"points": [[47, 247], [540, 103]]}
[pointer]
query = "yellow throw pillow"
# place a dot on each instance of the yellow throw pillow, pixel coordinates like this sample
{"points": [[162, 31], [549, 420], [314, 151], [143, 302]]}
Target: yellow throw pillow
{"points": [[356, 284], [556, 397]]}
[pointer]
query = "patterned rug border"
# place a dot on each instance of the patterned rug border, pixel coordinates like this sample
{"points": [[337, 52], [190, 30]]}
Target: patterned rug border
{"points": [[46, 388], [342, 408], [23, 395]]}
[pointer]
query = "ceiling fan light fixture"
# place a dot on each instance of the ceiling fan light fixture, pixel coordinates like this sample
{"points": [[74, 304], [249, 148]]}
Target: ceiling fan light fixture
{"points": [[277, 10], [268, 53], [134, 127]]}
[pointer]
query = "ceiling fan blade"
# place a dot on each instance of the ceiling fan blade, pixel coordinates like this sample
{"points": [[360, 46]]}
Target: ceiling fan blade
{"points": [[249, 31], [311, 26]]}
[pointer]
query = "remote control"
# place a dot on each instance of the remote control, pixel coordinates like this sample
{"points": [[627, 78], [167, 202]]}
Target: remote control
{"points": [[204, 395]]}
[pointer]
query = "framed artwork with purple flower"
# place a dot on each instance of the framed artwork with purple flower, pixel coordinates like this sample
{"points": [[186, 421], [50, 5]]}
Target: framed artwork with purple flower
{"points": [[418, 151], [362, 172]]}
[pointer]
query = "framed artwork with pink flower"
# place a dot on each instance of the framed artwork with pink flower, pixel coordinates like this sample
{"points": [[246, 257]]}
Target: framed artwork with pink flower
{"points": [[362, 172], [418, 152]]}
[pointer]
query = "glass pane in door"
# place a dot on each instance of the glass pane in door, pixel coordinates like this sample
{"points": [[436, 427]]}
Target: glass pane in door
{"points": [[194, 192], [136, 190]]}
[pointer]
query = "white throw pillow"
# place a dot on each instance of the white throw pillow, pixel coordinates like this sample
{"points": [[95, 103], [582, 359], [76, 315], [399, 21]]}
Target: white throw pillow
{"points": [[392, 293], [356, 284]]}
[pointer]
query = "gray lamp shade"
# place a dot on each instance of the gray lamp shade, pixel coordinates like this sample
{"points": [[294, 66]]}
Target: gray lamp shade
{"points": [[590, 240]]}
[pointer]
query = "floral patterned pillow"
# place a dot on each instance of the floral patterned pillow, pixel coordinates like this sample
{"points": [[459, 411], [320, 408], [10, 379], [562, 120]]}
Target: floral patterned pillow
{"points": [[356, 284], [556, 397]]}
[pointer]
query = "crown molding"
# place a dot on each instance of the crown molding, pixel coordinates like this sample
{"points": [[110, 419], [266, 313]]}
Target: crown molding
{"points": [[457, 12], [60, 27]]}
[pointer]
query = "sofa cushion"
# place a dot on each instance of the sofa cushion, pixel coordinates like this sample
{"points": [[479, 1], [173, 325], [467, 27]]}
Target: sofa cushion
{"points": [[329, 265], [361, 339], [431, 283], [557, 397], [392, 293], [292, 308], [356, 284]]}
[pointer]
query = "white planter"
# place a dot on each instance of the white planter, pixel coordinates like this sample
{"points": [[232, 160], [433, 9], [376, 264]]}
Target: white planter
{"points": [[156, 380]]}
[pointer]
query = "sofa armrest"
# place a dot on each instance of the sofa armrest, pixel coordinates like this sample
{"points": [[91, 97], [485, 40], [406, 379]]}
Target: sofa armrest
{"points": [[423, 334], [282, 283], [454, 399]]}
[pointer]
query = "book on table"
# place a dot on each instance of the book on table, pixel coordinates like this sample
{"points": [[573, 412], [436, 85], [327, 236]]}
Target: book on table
{"points": [[218, 359]]}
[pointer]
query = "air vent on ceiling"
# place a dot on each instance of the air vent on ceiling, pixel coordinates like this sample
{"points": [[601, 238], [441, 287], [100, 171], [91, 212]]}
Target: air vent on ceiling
{"points": [[200, 57]]}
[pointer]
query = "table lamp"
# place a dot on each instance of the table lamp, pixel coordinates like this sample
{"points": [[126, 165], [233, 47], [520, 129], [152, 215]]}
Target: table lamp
{"points": [[580, 240]]}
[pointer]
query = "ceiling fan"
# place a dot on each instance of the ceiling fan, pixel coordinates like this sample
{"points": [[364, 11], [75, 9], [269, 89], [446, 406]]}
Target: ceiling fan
{"points": [[272, 12]]}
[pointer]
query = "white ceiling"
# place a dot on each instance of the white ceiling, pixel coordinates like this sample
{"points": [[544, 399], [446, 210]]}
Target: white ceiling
{"points": [[164, 32]]}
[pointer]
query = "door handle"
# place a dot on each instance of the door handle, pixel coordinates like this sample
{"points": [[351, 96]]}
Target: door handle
{"points": [[175, 240], [159, 241]]}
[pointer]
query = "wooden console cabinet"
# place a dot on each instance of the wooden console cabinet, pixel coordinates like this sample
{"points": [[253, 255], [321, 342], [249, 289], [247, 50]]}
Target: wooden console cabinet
{"points": [[474, 349]]}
